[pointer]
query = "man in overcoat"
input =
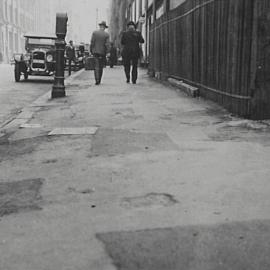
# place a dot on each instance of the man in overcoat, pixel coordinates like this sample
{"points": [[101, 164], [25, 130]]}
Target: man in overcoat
{"points": [[131, 40], [70, 53], [99, 47]]}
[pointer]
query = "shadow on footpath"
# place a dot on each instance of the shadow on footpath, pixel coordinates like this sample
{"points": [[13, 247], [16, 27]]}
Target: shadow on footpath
{"points": [[234, 246]]}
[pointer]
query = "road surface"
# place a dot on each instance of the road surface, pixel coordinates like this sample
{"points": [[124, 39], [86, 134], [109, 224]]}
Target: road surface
{"points": [[14, 96]]}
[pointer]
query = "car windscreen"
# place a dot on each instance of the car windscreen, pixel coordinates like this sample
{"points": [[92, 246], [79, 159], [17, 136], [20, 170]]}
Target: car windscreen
{"points": [[41, 41]]}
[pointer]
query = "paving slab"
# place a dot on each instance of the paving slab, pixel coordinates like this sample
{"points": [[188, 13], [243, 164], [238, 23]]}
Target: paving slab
{"points": [[30, 126], [74, 131]]}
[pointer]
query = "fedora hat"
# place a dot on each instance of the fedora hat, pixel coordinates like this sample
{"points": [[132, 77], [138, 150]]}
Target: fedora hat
{"points": [[131, 23], [104, 24]]}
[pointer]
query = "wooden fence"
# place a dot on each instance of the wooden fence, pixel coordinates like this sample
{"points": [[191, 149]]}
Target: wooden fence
{"points": [[220, 46]]}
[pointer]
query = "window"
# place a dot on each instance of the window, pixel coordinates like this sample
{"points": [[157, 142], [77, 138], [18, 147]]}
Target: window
{"points": [[134, 11], [16, 16], [138, 12], [6, 10], [143, 6], [130, 13], [176, 3], [41, 41], [160, 11], [1, 11], [10, 13], [16, 38], [10, 39]]}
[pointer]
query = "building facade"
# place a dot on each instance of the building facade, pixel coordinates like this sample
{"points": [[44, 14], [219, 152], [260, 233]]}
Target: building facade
{"points": [[117, 20], [221, 47], [18, 17], [143, 13]]}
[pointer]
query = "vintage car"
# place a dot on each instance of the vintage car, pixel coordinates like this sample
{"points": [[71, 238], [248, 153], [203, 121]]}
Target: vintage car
{"points": [[39, 58]]}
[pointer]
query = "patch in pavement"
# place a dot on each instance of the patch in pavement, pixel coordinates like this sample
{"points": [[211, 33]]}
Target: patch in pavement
{"points": [[14, 149], [117, 141], [20, 196], [127, 113], [149, 200], [234, 246], [74, 131]]}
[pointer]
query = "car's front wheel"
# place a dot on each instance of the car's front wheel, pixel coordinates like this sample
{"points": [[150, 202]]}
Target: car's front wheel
{"points": [[17, 73]]}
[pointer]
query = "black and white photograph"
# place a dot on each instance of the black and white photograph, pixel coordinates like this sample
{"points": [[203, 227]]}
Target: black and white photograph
{"points": [[134, 134]]}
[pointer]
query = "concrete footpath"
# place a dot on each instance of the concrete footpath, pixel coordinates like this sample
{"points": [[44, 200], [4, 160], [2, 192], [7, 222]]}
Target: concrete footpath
{"points": [[123, 176]]}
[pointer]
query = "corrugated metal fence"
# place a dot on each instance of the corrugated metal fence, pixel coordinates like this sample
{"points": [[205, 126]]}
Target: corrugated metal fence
{"points": [[221, 46]]}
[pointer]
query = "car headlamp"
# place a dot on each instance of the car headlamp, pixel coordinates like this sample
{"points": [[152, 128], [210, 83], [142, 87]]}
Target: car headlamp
{"points": [[26, 57], [49, 58], [17, 57]]}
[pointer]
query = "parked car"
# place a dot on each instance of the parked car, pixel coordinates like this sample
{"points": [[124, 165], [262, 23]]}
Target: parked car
{"points": [[39, 58]]}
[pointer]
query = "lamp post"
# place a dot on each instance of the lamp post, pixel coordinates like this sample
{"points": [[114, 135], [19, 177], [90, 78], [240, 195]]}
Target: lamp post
{"points": [[58, 89]]}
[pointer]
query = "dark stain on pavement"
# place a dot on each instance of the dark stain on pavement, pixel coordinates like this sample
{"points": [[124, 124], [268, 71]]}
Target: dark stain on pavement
{"points": [[78, 86], [50, 161], [234, 246], [241, 133], [116, 141], [13, 149], [20, 196]]}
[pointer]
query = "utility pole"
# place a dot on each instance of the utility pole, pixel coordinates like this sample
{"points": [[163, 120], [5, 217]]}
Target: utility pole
{"points": [[58, 89]]}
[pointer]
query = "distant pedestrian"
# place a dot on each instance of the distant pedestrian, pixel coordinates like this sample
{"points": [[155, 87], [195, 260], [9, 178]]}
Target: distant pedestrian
{"points": [[70, 53], [113, 55], [131, 40], [99, 47]]}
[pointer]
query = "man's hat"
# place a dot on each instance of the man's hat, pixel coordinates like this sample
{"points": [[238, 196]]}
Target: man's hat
{"points": [[104, 24], [131, 23]]}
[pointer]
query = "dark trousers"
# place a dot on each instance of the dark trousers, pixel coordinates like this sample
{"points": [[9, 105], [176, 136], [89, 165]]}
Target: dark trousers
{"points": [[99, 65], [70, 60], [128, 61]]}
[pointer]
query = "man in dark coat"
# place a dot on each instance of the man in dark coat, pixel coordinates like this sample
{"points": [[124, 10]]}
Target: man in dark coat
{"points": [[99, 47], [131, 40], [70, 53]]}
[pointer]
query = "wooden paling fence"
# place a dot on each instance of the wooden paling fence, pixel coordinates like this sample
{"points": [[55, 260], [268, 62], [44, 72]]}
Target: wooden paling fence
{"points": [[220, 46]]}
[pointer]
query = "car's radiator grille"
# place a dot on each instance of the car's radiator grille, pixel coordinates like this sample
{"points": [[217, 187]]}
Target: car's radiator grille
{"points": [[38, 60]]}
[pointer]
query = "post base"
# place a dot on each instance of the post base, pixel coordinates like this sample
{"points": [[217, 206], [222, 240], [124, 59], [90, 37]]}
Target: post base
{"points": [[58, 91]]}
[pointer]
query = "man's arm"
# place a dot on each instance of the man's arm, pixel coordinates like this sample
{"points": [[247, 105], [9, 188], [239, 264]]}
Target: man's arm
{"points": [[67, 50], [123, 39], [141, 40], [107, 44], [92, 43]]}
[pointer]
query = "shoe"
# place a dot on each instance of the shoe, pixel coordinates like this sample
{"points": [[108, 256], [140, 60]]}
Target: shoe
{"points": [[97, 83], [127, 81], [134, 82]]}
